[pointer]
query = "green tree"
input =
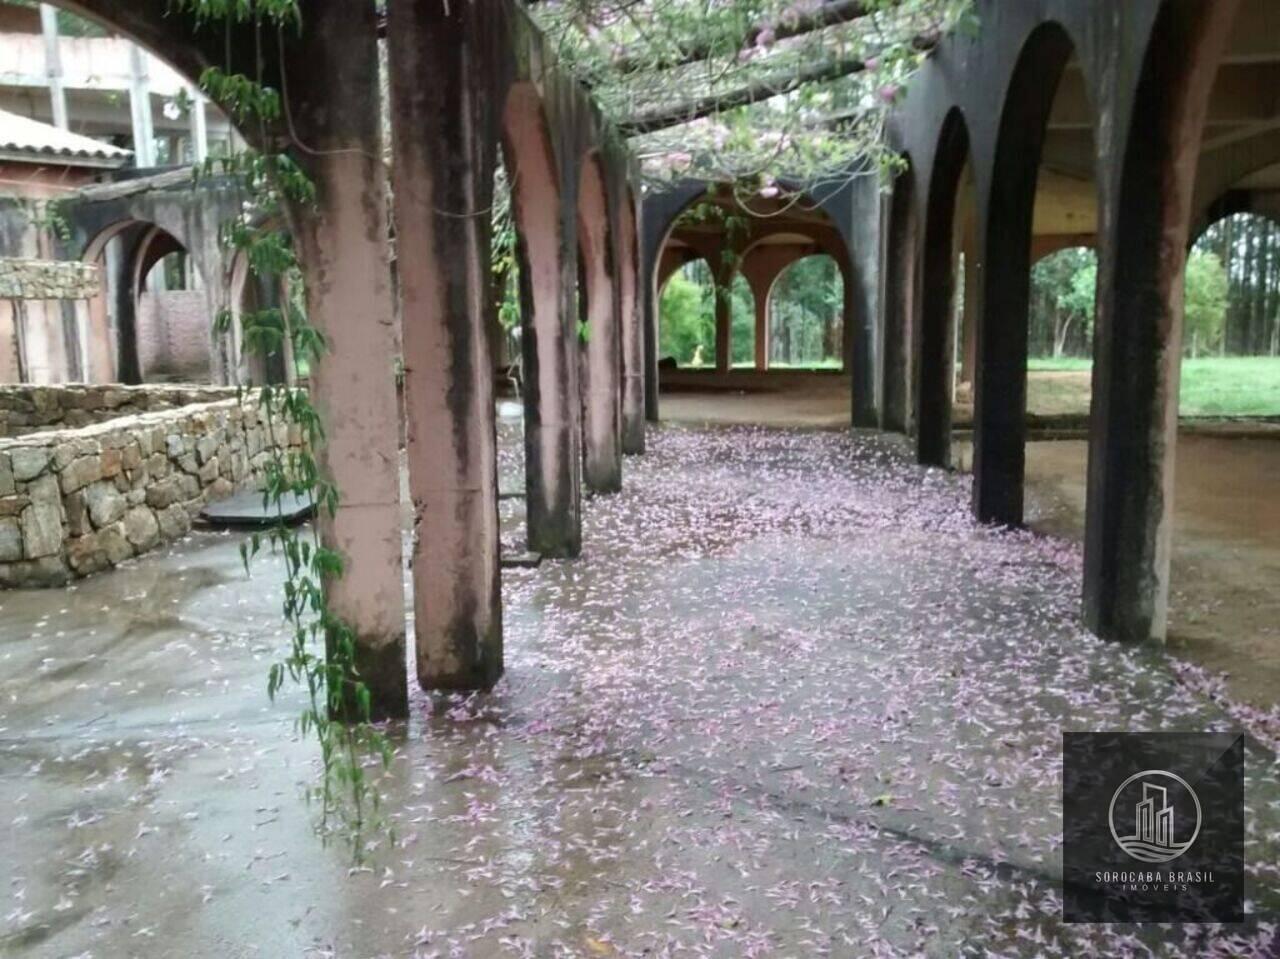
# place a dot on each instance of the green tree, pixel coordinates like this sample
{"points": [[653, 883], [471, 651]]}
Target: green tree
{"points": [[1205, 302], [808, 302], [686, 321], [1062, 302]]}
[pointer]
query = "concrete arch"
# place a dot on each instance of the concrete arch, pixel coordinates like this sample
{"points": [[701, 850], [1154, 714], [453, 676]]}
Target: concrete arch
{"points": [[552, 434], [174, 336], [813, 223], [764, 317], [935, 346], [1234, 203], [673, 265], [600, 371], [1000, 384], [662, 214], [1149, 76], [1137, 332], [136, 353]]}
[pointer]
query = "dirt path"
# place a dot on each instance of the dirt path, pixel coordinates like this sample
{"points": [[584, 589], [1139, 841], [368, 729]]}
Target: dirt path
{"points": [[1225, 602]]}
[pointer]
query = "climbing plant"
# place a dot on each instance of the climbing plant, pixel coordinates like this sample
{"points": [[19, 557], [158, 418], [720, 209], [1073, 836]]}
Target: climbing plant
{"points": [[322, 653]]}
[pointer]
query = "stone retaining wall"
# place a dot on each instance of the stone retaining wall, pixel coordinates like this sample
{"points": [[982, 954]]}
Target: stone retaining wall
{"points": [[30, 409], [73, 502], [24, 279]]}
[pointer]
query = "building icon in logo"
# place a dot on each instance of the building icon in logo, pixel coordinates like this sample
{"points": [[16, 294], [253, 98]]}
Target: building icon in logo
{"points": [[1153, 798]]}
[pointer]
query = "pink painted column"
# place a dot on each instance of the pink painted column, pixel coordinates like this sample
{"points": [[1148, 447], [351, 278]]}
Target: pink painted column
{"points": [[343, 241], [601, 368], [632, 329], [761, 268], [445, 153], [548, 337], [761, 298], [723, 273]]}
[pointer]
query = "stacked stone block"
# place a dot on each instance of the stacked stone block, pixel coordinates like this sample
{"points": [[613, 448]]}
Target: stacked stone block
{"points": [[73, 502], [30, 409], [26, 279]]}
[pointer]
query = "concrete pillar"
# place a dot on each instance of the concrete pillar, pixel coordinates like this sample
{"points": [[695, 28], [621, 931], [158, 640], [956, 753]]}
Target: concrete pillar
{"points": [[548, 337], [1000, 375], [762, 303], [445, 135], [1143, 236], [649, 322], [122, 284], [53, 64], [144, 136], [863, 272], [969, 317], [199, 126], [897, 308], [343, 242], [722, 274], [1004, 231], [601, 367], [935, 356], [761, 268], [633, 398]]}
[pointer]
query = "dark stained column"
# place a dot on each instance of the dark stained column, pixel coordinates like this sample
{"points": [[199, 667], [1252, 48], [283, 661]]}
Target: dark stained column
{"points": [[723, 273], [863, 290], [343, 239], [1000, 377], [602, 364], [124, 288], [935, 365], [897, 307], [441, 55], [633, 398], [649, 323], [548, 339], [1000, 372], [762, 328], [1137, 341]]}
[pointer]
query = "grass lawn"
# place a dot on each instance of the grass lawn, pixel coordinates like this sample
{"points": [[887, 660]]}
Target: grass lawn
{"points": [[1211, 386], [831, 363], [1066, 364]]}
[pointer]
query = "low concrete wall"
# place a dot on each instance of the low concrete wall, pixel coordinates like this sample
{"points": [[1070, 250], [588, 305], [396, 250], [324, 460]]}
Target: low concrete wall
{"points": [[744, 380], [32, 409], [73, 502]]}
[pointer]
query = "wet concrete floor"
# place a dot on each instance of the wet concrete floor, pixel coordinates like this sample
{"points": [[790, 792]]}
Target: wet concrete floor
{"points": [[790, 702]]}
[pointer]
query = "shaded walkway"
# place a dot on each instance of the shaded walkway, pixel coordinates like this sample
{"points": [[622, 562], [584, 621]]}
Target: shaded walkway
{"points": [[796, 703]]}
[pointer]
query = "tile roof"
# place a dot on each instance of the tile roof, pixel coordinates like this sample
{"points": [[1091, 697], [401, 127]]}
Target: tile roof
{"points": [[23, 136]]}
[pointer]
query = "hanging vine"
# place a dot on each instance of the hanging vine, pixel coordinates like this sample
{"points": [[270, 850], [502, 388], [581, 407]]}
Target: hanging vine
{"points": [[322, 653]]}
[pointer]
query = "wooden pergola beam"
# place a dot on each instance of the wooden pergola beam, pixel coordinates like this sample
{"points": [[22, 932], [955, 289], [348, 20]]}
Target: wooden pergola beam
{"points": [[830, 14], [664, 117]]}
